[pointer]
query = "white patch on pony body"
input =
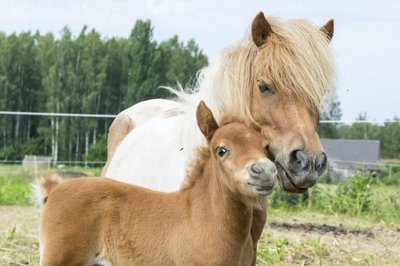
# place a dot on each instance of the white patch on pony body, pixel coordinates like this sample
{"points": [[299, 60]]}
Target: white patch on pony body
{"points": [[144, 112], [156, 153]]}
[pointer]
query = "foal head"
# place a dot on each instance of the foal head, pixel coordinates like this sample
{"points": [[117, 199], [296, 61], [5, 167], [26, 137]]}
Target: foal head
{"points": [[239, 155]]}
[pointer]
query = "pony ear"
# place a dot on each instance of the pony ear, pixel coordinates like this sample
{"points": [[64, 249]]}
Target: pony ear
{"points": [[206, 120], [260, 29], [328, 29]]}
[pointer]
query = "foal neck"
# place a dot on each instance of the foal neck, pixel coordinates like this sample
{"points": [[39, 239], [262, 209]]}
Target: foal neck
{"points": [[209, 195]]}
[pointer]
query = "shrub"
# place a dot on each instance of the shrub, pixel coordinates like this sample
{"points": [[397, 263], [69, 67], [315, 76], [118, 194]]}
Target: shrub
{"points": [[354, 195], [361, 195]]}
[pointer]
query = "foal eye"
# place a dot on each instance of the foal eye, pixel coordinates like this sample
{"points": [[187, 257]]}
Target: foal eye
{"points": [[264, 88], [221, 151]]}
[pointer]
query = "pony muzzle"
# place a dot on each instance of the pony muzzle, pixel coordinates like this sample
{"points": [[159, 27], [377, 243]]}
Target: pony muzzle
{"points": [[305, 168]]}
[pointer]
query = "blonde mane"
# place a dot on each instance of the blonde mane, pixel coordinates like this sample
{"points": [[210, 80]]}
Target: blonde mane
{"points": [[297, 58]]}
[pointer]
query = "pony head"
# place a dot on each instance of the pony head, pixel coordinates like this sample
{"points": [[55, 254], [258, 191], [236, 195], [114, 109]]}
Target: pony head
{"points": [[277, 79], [292, 73], [238, 155]]}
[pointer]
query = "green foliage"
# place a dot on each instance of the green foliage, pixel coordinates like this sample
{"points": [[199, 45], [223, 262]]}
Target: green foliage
{"points": [[282, 251], [360, 131], [354, 196], [388, 134], [33, 146], [98, 150], [361, 195], [272, 254], [282, 199], [391, 176]]}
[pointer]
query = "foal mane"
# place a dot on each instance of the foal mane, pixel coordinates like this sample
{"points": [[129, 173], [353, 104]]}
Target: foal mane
{"points": [[196, 168], [297, 57]]}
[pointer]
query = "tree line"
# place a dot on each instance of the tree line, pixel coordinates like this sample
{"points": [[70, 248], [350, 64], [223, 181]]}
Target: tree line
{"points": [[82, 74], [387, 133]]}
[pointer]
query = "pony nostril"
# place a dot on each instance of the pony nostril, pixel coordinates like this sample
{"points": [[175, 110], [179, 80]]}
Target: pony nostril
{"points": [[266, 148], [299, 160], [321, 162]]}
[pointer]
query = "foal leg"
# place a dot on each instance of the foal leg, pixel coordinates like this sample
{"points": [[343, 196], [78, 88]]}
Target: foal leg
{"points": [[61, 258], [62, 251], [257, 227]]}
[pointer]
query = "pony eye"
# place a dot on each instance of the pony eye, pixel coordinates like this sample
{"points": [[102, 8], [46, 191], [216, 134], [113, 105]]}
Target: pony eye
{"points": [[221, 151], [264, 88]]}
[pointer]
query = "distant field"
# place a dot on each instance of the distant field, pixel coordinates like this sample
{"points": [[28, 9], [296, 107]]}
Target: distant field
{"points": [[355, 223]]}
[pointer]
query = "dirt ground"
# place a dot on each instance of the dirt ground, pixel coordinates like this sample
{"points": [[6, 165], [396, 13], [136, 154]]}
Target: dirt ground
{"points": [[344, 241], [19, 235]]}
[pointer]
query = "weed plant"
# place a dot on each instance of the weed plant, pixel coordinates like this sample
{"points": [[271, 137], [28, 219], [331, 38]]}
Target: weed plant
{"points": [[357, 196]]}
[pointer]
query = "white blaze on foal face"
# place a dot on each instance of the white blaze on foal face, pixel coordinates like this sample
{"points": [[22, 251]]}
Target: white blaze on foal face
{"points": [[242, 156]]}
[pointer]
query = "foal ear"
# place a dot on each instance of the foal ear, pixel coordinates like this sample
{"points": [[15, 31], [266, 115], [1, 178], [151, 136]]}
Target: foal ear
{"points": [[260, 29], [206, 121], [328, 29]]}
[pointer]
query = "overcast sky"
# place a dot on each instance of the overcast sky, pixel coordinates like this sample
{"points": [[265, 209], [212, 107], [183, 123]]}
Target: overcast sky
{"points": [[366, 40]]}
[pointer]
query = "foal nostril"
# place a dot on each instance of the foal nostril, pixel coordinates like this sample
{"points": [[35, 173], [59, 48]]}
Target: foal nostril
{"points": [[321, 162], [255, 168], [299, 160]]}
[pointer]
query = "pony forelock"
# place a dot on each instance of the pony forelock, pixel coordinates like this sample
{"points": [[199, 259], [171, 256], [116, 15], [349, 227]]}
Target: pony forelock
{"points": [[299, 60]]}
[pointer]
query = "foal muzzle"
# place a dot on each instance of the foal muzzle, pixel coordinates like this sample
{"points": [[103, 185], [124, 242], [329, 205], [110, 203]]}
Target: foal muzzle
{"points": [[261, 176]]}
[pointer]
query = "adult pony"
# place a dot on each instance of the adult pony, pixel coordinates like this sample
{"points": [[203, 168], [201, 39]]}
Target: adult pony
{"points": [[87, 221], [275, 79]]}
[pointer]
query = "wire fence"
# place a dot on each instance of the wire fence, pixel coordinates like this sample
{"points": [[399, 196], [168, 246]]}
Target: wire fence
{"points": [[337, 169], [113, 116], [72, 163], [353, 167], [337, 164], [57, 114]]}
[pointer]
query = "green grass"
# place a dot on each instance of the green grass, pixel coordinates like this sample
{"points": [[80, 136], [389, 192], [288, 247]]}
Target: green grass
{"points": [[19, 235], [18, 246], [15, 182], [359, 196], [14, 186], [283, 251]]}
